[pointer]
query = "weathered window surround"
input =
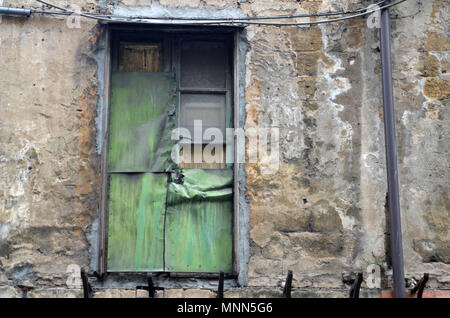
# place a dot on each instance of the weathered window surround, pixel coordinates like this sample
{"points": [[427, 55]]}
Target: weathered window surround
{"points": [[137, 34]]}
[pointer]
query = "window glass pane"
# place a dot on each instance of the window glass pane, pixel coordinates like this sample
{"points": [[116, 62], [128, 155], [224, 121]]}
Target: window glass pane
{"points": [[138, 57], [187, 158], [210, 109], [203, 64]]}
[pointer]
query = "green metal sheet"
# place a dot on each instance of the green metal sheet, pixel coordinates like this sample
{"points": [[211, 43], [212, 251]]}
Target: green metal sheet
{"points": [[136, 222], [184, 226], [198, 184], [198, 236], [142, 117]]}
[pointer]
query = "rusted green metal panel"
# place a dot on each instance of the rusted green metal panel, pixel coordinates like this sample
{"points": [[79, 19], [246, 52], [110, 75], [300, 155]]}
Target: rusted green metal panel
{"points": [[142, 117], [199, 184], [136, 222], [191, 231], [198, 236]]}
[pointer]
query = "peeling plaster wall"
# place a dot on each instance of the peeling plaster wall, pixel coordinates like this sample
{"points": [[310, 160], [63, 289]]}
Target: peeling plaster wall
{"points": [[422, 92], [49, 164], [323, 215]]}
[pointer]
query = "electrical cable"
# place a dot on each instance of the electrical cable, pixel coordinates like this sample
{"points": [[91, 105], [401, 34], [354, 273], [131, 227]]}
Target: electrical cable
{"points": [[228, 21], [50, 12], [290, 16], [369, 11], [68, 11]]}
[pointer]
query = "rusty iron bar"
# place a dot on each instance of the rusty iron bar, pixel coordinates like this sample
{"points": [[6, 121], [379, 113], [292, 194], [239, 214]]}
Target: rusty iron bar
{"points": [[420, 286], [288, 285], [25, 288], [25, 291], [99, 276], [391, 158], [220, 287], [87, 290], [354, 291], [150, 286]]}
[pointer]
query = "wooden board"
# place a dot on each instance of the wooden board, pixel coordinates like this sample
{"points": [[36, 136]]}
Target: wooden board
{"points": [[138, 57]]}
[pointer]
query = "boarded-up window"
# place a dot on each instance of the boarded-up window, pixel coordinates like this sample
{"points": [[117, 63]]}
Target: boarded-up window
{"points": [[135, 57], [163, 216]]}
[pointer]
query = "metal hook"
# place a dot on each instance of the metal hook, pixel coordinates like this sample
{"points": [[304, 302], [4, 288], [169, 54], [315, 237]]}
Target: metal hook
{"points": [[150, 286], [420, 286], [87, 289], [354, 291], [220, 288], [288, 285]]}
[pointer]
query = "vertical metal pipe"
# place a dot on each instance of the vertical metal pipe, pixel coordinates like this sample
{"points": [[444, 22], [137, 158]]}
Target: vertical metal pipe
{"points": [[391, 158]]}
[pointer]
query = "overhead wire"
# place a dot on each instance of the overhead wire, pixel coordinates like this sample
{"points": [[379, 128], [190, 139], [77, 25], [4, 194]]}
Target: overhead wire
{"points": [[369, 11], [228, 21], [289, 16]]}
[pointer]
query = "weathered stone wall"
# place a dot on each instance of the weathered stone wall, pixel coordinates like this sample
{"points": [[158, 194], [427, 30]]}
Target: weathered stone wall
{"points": [[322, 215], [48, 161]]}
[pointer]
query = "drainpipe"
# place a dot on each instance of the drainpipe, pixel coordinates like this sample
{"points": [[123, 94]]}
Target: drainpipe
{"points": [[391, 158]]}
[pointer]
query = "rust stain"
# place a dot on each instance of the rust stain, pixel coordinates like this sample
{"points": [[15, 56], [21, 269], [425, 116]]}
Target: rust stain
{"points": [[437, 5], [437, 42], [253, 94], [85, 140], [433, 113], [309, 39], [256, 217], [87, 173], [435, 88], [353, 36]]}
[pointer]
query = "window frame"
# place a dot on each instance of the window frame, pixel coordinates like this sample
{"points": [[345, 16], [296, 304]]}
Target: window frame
{"points": [[216, 91], [113, 34]]}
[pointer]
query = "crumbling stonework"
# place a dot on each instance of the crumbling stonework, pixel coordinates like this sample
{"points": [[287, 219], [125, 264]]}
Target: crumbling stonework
{"points": [[322, 215]]}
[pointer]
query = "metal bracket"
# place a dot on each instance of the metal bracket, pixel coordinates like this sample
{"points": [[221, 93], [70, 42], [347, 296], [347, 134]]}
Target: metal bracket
{"points": [[150, 287], [288, 285], [420, 286], [87, 289], [354, 291], [220, 287], [100, 276], [25, 290]]}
